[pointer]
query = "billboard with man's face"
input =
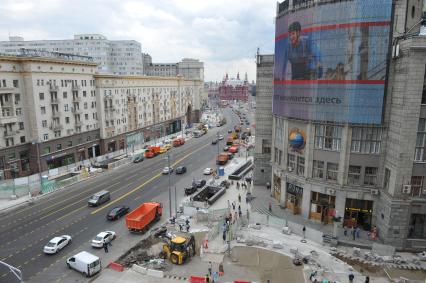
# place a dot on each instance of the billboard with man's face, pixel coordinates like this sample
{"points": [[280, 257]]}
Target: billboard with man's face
{"points": [[331, 61]]}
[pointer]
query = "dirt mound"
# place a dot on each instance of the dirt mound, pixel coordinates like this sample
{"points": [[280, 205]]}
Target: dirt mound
{"points": [[142, 252]]}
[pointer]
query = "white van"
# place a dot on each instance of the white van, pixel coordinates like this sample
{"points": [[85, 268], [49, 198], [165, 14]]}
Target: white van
{"points": [[85, 263]]}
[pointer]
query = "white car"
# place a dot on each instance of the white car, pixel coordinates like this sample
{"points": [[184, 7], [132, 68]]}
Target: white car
{"points": [[103, 237], [208, 171], [167, 170], [56, 244], [220, 137]]}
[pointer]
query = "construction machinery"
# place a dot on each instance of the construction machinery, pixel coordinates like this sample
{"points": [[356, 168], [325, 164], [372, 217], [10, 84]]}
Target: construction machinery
{"points": [[178, 249]]}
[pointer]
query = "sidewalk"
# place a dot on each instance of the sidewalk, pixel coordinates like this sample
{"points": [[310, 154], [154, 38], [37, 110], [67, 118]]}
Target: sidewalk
{"points": [[261, 204]]}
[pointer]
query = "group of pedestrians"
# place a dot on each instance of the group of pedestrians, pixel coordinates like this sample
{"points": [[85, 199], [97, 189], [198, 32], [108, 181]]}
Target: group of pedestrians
{"points": [[244, 185], [213, 276]]}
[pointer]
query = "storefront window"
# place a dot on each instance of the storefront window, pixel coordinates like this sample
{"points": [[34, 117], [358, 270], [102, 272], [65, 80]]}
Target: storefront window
{"points": [[332, 169], [417, 227], [318, 170], [354, 175], [370, 177], [322, 207], [25, 161], [358, 213]]}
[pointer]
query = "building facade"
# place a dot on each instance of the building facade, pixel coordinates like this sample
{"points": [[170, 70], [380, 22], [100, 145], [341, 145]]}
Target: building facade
{"points": [[119, 57], [188, 68], [234, 88], [263, 119], [55, 110], [349, 131]]}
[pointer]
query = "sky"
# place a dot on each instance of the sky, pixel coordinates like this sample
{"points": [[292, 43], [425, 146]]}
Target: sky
{"points": [[223, 34]]}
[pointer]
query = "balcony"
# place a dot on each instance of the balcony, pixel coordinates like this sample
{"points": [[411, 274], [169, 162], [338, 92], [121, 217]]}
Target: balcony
{"points": [[76, 99], [8, 90], [54, 88], [76, 110], [75, 88], [8, 119], [54, 101], [9, 133], [56, 127], [56, 114]]}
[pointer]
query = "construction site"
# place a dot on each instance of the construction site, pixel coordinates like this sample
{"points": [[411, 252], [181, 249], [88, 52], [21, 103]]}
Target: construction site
{"points": [[229, 241]]}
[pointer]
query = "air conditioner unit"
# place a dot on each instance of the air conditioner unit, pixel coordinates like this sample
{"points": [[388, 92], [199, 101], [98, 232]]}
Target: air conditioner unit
{"points": [[406, 189], [331, 191], [290, 169], [423, 192], [374, 191]]}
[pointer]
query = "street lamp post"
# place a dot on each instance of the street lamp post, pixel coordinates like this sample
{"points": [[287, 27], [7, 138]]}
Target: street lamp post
{"points": [[218, 152], [170, 188], [15, 271]]}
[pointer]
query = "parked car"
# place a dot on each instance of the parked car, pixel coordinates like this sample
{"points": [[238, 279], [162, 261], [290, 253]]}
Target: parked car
{"points": [[190, 190], [117, 212], [199, 183], [225, 148], [57, 244], [225, 184], [167, 170], [229, 131], [103, 237], [214, 141], [180, 170], [208, 171], [85, 263], [138, 158], [220, 137]]}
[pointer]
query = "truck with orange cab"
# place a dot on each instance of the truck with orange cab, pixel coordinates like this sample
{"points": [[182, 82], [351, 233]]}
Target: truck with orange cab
{"points": [[178, 142], [233, 149], [152, 151], [222, 158], [230, 140], [139, 219]]}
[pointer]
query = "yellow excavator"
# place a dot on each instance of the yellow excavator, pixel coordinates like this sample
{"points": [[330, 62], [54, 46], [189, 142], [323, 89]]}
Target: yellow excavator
{"points": [[179, 249]]}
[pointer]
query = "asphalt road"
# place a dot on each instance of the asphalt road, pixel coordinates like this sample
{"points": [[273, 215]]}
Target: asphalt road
{"points": [[25, 231]]}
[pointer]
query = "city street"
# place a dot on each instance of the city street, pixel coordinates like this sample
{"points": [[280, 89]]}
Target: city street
{"points": [[25, 231]]}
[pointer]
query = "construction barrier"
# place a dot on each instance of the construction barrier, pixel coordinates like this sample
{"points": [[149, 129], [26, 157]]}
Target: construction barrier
{"points": [[197, 279], [116, 266]]}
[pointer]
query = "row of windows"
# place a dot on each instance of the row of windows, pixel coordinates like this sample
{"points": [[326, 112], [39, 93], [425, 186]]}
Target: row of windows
{"points": [[420, 150], [48, 149], [329, 170], [3, 83]]}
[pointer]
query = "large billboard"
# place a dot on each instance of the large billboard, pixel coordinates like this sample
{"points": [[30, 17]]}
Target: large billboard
{"points": [[330, 61]]}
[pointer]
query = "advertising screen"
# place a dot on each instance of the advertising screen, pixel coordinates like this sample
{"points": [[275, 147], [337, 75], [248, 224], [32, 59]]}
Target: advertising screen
{"points": [[330, 61]]}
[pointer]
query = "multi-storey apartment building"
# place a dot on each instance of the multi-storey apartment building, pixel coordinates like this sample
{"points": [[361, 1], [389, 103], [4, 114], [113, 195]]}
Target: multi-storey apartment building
{"points": [[119, 57], [55, 110], [349, 106], [188, 68]]}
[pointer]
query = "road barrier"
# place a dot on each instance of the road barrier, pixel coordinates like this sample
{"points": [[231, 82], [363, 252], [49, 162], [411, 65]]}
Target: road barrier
{"points": [[197, 279], [116, 266]]}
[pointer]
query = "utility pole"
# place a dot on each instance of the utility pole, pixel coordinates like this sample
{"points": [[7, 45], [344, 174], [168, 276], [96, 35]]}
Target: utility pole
{"points": [[170, 188], [18, 273]]}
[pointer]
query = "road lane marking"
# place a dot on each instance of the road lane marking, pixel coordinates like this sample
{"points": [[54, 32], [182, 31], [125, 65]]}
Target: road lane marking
{"points": [[146, 182]]}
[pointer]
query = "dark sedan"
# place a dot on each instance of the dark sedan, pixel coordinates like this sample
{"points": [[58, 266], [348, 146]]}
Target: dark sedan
{"points": [[214, 141], [117, 212], [180, 170], [200, 183], [190, 190]]}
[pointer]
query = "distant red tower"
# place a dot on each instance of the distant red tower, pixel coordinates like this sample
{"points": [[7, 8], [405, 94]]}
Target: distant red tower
{"points": [[234, 89]]}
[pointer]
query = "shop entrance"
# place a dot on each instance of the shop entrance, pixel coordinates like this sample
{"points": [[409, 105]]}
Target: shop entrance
{"points": [[277, 188], [322, 207], [294, 198], [358, 213]]}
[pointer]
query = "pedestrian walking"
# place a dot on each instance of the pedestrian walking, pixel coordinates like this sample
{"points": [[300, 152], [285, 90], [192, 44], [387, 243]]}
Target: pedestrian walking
{"points": [[304, 232], [215, 277], [221, 272], [353, 233], [233, 206], [210, 268], [240, 213], [229, 204], [224, 236], [351, 278], [367, 279], [248, 215], [270, 207], [235, 217], [180, 227], [358, 232], [187, 228], [239, 198], [207, 278], [238, 185], [345, 231], [105, 245]]}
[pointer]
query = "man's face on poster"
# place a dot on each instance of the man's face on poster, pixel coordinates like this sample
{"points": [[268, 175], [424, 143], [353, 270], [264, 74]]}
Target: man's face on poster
{"points": [[294, 37]]}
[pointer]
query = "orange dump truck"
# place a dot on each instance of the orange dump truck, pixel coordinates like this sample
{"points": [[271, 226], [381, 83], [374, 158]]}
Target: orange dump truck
{"points": [[152, 151], [222, 158], [138, 220], [233, 149], [178, 142]]}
